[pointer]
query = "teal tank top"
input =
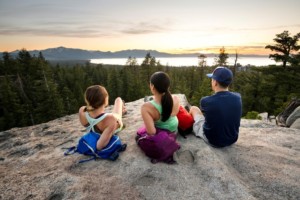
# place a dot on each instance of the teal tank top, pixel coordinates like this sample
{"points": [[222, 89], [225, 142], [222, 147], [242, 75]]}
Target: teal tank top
{"points": [[171, 124]]}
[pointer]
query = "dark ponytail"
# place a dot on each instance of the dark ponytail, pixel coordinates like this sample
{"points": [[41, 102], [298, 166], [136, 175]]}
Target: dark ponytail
{"points": [[167, 106], [161, 82]]}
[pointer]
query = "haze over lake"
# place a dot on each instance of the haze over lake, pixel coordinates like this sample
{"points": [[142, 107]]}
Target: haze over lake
{"points": [[190, 61]]}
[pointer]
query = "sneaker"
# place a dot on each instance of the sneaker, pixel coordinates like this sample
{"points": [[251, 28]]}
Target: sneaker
{"points": [[188, 107], [114, 156], [122, 148]]}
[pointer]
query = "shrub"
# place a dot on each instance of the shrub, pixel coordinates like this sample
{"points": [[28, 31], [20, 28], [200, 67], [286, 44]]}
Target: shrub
{"points": [[252, 115]]}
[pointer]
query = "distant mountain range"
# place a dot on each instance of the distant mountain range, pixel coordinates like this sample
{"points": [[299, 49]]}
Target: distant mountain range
{"points": [[62, 53]]}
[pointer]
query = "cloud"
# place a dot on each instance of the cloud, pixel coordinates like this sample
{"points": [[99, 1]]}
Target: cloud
{"points": [[257, 28], [54, 31], [144, 28], [68, 28], [229, 49], [81, 29]]}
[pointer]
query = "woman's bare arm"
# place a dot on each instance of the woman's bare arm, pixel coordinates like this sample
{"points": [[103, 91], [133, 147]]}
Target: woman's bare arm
{"points": [[110, 126], [148, 119], [82, 118]]}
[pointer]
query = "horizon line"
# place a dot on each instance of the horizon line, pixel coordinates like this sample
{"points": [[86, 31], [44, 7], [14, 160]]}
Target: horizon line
{"points": [[184, 52]]}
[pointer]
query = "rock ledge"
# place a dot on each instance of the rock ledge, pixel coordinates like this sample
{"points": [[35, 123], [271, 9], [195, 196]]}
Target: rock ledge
{"points": [[263, 164]]}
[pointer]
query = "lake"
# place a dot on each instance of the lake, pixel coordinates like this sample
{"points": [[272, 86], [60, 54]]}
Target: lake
{"points": [[189, 61]]}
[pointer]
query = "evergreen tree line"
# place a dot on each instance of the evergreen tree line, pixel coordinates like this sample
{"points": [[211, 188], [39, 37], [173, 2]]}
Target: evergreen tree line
{"points": [[32, 91]]}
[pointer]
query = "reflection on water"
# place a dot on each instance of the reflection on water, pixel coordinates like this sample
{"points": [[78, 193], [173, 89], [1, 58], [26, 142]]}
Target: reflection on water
{"points": [[190, 61]]}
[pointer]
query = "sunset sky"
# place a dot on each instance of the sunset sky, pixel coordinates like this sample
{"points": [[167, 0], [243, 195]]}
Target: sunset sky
{"points": [[173, 26]]}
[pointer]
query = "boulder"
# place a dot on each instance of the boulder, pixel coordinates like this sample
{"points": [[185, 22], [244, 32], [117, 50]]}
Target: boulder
{"points": [[293, 116], [272, 119], [263, 164], [296, 124], [264, 116]]}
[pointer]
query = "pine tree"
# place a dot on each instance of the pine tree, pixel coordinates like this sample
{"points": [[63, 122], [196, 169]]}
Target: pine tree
{"points": [[49, 102], [11, 107], [285, 47], [221, 60], [114, 85]]}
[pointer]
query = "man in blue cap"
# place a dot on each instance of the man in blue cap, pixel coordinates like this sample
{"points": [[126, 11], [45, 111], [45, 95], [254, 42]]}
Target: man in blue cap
{"points": [[217, 121]]}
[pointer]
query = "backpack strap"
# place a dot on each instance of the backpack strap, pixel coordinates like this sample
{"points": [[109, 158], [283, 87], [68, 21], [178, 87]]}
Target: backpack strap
{"points": [[86, 160], [93, 121], [70, 151], [157, 106], [73, 150]]}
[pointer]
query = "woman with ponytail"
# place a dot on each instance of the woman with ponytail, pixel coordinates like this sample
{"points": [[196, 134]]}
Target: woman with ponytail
{"points": [[160, 121], [162, 110]]}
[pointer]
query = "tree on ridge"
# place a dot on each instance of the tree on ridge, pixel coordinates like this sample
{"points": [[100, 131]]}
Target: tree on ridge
{"points": [[285, 45], [221, 60]]}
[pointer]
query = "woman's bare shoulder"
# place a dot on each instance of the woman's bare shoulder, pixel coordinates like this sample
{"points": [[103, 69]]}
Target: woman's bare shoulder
{"points": [[108, 121], [148, 109], [81, 109], [146, 106], [109, 117]]}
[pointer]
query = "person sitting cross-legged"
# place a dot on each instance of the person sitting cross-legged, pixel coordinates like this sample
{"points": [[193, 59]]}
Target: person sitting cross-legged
{"points": [[217, 121]]}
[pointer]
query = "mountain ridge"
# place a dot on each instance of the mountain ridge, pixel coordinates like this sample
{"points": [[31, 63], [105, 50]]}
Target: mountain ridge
{"points": [[63, 53]]}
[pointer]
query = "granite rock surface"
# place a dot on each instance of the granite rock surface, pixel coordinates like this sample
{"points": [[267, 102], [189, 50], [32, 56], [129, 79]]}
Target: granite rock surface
{"points": [[263, 164]]}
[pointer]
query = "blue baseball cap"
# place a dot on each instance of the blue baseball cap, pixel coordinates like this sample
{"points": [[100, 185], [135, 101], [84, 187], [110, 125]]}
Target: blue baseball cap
{"points": [[222, 75]]}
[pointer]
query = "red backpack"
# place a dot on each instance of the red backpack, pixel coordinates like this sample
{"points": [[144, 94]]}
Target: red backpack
{"points": [[185, 122]]}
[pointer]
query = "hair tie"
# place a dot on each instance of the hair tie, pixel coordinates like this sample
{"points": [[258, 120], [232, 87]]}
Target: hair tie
{"points": [[89, 108]]}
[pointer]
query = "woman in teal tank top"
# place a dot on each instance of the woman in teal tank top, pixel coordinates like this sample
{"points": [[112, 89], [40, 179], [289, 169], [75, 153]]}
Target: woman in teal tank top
{"points": [[162, 110], [157, 139], [170, 124]]}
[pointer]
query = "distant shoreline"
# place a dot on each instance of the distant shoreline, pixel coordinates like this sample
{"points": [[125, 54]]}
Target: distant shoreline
{"points": [[69, 56], [190, 61]]}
